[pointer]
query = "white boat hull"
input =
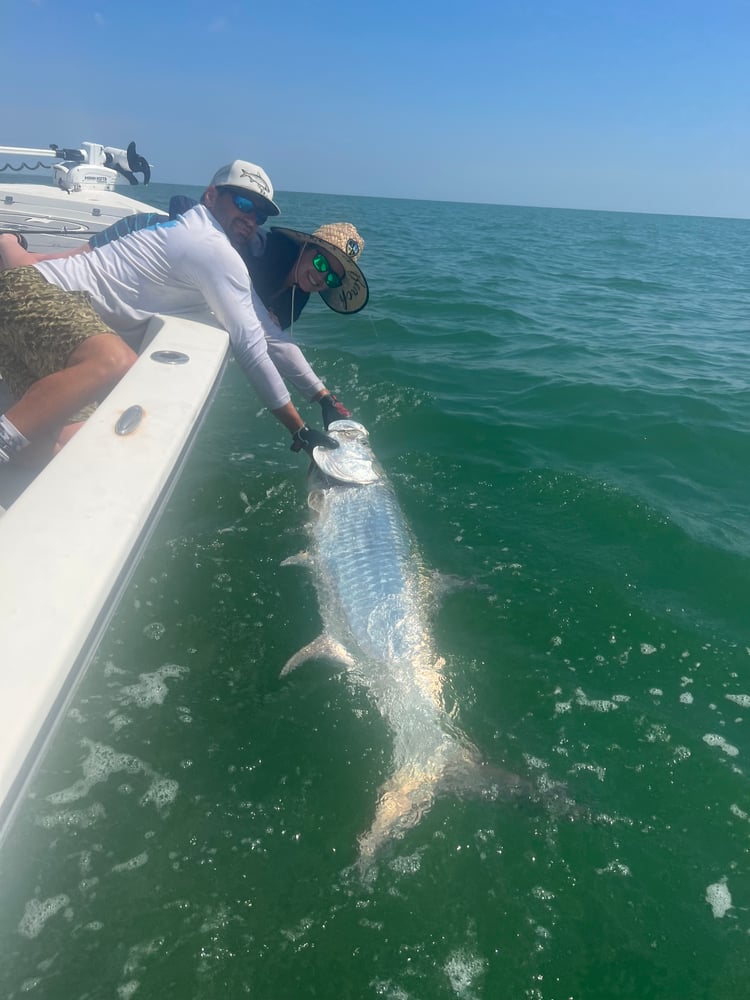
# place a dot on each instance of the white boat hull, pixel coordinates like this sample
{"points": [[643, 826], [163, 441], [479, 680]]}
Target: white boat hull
{"points": [[71, 541]]}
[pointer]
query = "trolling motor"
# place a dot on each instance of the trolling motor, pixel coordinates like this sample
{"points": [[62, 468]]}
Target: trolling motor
{"points": [[127, 162], [95, 166], [92, 167]]}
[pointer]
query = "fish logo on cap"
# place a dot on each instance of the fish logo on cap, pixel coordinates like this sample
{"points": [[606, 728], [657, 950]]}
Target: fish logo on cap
{"points": [[260, 183]]}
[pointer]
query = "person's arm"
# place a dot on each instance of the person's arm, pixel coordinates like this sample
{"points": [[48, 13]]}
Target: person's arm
{"points": [[241, 315], [292, 363], [238, 308], [294, 367]]}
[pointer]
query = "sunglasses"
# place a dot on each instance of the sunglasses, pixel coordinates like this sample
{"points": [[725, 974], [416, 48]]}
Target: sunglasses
{"points": [[247, 206], [321, 264]]}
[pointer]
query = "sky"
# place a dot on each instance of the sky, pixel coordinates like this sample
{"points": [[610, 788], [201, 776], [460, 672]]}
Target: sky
{"points": [[639, 105]]}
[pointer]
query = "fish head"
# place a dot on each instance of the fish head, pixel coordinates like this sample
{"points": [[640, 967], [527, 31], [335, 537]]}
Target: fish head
{"points": [[353, 463]]}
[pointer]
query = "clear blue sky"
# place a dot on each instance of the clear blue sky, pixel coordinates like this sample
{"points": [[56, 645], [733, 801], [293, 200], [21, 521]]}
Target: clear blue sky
{"points": [[638, 105]]}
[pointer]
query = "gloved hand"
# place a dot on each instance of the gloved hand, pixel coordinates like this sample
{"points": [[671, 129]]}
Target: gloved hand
{"points": [[308, 438], [333, 409]]}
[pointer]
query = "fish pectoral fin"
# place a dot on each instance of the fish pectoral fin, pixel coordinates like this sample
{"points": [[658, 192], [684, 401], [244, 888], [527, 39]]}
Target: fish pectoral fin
{"points": [[301, 559], [322, 648]]}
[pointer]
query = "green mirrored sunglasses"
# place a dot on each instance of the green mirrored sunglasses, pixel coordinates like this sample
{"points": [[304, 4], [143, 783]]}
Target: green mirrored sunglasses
{"points": [[322, 264]]}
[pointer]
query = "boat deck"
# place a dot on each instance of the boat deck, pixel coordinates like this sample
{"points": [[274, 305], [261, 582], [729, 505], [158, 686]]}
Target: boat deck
{"points": [[52, 219]]}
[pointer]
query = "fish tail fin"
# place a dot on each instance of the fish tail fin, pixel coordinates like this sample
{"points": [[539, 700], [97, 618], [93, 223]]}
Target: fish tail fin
{"points": [[455, 767]]}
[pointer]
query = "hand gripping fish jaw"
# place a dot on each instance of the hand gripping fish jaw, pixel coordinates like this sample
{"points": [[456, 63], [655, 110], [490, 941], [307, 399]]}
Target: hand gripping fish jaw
{"points": [[353, 461]]}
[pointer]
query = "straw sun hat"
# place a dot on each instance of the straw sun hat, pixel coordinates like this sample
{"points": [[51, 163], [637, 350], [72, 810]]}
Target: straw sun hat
{"points": [[342, 242]]}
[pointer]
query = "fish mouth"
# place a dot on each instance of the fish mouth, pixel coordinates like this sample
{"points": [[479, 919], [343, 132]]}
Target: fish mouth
{"points": [[353, 462]]}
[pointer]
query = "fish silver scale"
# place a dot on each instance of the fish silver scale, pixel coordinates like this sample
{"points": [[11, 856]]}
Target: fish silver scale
{"points": [[366, 557]]}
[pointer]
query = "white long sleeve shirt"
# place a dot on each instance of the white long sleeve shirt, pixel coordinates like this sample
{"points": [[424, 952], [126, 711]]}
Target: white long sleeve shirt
{"points": [[173, 268]]}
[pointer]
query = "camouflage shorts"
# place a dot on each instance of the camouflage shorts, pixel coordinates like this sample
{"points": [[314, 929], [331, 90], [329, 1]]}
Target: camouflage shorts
{"points": [[40, 326]]}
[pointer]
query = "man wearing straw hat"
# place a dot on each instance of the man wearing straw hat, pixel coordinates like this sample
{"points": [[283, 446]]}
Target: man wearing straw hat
{"points": [[286, 267]]}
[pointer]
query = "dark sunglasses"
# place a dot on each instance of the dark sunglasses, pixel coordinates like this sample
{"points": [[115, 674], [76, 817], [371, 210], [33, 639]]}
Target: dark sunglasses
{"points": [[320, 263], [247, 206]]}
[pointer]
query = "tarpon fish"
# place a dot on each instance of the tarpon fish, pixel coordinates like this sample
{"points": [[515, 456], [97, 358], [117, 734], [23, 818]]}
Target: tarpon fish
{"points": [[376, 598]]}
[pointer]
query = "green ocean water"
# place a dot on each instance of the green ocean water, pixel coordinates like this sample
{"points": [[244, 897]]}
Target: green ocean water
{"points": [[561, 401]]}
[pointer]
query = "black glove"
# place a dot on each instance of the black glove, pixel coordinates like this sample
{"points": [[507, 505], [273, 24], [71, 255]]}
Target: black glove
{"points": [[333, 409], [308, 438]]}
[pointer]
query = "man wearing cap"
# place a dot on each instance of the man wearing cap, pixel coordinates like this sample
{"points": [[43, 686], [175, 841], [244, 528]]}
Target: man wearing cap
{"points": [[61, 350]]}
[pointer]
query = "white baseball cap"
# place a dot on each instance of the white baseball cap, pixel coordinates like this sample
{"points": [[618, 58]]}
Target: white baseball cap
{"points": [[251, 178]]}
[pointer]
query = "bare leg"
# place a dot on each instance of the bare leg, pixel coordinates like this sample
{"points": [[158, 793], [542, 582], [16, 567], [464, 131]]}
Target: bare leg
{"points": [[12, 254], [93, 368]]}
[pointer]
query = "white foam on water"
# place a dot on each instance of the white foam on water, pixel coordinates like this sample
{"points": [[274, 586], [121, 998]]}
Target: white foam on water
{"points": [[596, 769], [79, 818], [657, 733], [118, 721], [162, 792], [462, 969], [407, 865], [714, 740], [647, 649], [536, 762], [686, 698], [100, 764], [127, 990], [38, 912], [150, 688], [544, 894], [743, 700], [601, 704], [155, 630], [615, 868], [389, 990], [132, 863], [719, 898], [486, 843], [293, 933], [110, 669], [740, 813], [543, 936]]}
